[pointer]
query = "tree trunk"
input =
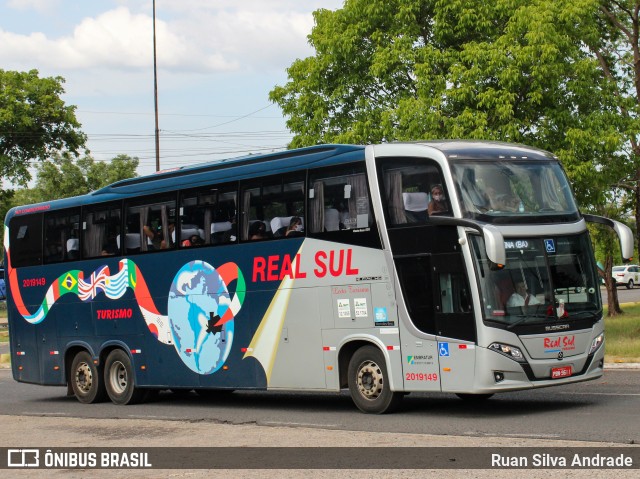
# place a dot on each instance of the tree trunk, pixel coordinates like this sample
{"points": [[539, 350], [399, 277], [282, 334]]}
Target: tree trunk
{"points": [[612, 292]]}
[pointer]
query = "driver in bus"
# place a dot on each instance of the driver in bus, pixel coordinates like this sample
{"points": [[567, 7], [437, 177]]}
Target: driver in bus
{"points": [[521, 296]]}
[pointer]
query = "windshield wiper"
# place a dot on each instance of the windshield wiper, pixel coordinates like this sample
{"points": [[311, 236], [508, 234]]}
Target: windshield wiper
{"points": [[523, 317]]}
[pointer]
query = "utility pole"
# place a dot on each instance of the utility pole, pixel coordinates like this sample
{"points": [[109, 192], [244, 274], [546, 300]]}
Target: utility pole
{"points": [[155, 88]]}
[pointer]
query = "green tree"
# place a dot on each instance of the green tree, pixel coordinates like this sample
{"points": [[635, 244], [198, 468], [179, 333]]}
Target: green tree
{"points": [[64, 176], [34, 123], [512, 70]]}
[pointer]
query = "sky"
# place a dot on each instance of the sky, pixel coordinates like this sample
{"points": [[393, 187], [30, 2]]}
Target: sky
{"points": [[217, 60]]}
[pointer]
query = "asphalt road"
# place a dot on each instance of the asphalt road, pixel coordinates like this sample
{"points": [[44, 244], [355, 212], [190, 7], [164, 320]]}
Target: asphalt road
{"points": [[624, 295], [604, 410]]}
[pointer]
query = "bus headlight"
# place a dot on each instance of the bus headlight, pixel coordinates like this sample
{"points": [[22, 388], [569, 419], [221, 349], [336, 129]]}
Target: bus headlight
{"points": [[509, 351], [597, 342]]}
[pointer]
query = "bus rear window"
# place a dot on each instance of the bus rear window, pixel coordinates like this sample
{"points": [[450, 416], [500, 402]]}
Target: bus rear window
{"points": [[25, 239]]}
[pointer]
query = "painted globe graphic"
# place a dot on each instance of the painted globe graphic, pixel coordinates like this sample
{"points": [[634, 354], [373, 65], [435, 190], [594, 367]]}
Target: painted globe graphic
{"points": [[197, 300]]}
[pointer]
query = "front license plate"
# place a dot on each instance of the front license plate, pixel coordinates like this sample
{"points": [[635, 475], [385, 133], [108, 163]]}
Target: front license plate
{"points": [[563, 372]]}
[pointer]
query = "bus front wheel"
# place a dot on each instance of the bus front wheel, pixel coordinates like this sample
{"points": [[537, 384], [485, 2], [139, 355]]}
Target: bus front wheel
{"points": [[86, 379], [118, 378], [369, 382]]}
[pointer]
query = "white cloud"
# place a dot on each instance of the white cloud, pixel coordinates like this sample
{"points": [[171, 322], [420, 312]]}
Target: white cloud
{"points": [[191, 37], [41, 6]]}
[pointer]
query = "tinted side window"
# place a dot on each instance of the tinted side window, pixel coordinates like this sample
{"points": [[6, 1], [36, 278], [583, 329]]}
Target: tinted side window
{"points": [[273, 208], [149, 225], [62, 236], [25, 239], [413, 190], [208, 216], [340, 206], [101, 230]]}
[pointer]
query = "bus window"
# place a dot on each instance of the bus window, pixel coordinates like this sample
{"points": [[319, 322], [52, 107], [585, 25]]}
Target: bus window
{"points": [[273, 208], [25, 236], [101, 228], [149, 225], [61, 236], [340, 206], [208, 216], [413, 190]]}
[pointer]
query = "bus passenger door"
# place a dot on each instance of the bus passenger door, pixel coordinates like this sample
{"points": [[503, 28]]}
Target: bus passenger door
{"points": [[454, 321]]}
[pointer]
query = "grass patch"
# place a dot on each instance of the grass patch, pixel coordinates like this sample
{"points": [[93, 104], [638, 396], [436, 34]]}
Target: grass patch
{"points": [[622, 333]]}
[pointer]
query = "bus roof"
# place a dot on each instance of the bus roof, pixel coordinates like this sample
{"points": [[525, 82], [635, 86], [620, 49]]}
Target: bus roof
{"points": [[487, 150], [234, 169]]}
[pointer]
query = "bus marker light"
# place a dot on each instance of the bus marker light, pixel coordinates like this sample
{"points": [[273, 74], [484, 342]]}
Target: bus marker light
{"points": [[243, 350], [53, 353], [462, 346], [329, 368], [20, 353], [393, 348], [143, 367], [136, 351], [446, 370], [225, 368], [328, 348], [188, 350], [19, 368], [55, 368]]}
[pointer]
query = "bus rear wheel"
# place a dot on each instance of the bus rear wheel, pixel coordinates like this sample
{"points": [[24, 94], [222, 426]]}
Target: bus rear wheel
{"points": [[369, 382], [119, 379], [86, 379]]}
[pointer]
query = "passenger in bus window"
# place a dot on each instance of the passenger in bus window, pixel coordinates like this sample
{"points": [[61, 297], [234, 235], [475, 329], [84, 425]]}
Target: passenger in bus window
{"points": [[193, 240], [257, 231], [169, 242], [437, 204], [521, 296], [295, 227]]}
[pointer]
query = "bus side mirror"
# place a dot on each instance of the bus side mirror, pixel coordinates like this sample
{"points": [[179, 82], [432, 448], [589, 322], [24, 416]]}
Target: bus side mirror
{"points": [[623, 231], [494, 244]]}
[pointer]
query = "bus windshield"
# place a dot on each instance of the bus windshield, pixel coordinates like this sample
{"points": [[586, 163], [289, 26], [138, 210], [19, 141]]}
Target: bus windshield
{"points": [[544, 279], [495, 190]]}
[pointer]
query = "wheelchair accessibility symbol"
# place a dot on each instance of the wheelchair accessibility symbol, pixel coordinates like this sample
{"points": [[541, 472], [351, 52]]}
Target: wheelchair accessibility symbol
{"points": [[550, 245], [443, 349]]}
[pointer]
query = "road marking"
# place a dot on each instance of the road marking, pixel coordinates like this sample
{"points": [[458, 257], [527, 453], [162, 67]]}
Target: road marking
{"points": [[599, 394], [296, 424], [523, 435], [36, 414]]}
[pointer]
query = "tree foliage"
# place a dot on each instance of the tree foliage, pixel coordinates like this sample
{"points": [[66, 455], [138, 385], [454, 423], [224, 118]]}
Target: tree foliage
{"points": [[555, 74], [64, 176], [35, 123]]}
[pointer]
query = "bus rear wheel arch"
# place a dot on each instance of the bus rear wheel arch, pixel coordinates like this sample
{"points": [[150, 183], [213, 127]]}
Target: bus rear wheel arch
{"points": [[369, 382], [119, 379], [86, 379]]}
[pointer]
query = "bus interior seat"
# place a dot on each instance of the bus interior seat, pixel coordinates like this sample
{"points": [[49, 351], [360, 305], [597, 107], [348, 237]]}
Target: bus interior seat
{"points": [[331, 219], [131, 243], [415, 205], [221, 232], [279, 225], [188, 231], [73, 248]]}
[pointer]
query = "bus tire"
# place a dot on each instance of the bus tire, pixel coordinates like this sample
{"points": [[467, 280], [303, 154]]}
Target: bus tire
{"points": [[86, 379], [119, 379], [369, 382]]}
